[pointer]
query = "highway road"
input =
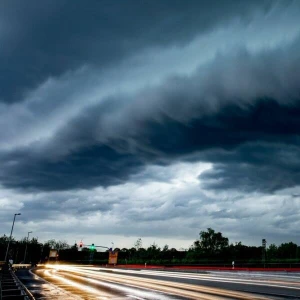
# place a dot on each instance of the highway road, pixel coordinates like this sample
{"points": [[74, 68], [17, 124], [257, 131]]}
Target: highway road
{"points": [[88, 282]]}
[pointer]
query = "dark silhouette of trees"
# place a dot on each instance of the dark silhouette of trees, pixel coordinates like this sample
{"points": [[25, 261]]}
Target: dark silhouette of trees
{"points": [[212, 242], [272, 252], [287, 250], [211, 248]]}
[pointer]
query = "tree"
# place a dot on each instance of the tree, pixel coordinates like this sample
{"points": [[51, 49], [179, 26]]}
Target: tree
{"points": [[74, 247], [58, 245], [165, 248], [4, 239], [211, 242], [287, 250], [153, 251], [138, 244], [272, 251]]}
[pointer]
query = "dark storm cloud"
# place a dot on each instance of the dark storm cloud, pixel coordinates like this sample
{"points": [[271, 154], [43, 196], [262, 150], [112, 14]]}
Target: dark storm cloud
{"points": [[90, 167], [254, 167], [47, 39], [231, 111]]}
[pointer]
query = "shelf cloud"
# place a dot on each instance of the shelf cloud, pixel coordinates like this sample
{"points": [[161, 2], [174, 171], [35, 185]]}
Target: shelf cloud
{"points": [[198, 97]]}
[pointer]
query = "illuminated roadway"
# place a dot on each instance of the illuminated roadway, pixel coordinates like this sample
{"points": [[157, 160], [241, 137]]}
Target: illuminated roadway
{"points": [[88, 282]]}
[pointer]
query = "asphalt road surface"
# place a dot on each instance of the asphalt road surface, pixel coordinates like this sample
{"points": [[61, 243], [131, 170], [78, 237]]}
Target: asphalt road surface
{"points": [[87, 282]]}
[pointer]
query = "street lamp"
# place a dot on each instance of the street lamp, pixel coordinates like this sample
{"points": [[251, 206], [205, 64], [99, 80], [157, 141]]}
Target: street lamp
{"points": [[26, 245], [12, 228]]}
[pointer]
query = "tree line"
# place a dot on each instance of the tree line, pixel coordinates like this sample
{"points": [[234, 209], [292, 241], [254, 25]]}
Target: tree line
{"points": [[210, 248]]}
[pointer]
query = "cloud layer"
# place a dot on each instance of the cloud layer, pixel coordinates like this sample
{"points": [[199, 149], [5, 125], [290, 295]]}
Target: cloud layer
{"points": [[232, 101], [111, 97]]}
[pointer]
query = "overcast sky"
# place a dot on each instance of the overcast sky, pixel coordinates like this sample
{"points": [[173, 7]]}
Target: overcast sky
{"points": [[151, 119]]}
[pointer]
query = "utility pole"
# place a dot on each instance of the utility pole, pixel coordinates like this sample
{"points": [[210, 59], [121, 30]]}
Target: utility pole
{"points": [[264, 243], [26, 246]]}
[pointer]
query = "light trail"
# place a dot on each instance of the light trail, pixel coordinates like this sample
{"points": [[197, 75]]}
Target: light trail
{"points": [[189, 291], [149, 286], [214, 277], [100, 294], [86, 292]]}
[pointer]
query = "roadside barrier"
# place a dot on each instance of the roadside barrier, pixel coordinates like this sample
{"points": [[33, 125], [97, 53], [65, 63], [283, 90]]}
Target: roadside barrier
{"points": [[11, 287]]}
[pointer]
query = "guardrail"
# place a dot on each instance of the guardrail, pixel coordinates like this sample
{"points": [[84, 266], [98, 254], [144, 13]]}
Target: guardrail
{"points": [[11, 287]]}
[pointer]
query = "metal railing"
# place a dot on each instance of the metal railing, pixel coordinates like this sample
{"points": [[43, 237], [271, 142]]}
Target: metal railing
{"points": [[11, 286]]}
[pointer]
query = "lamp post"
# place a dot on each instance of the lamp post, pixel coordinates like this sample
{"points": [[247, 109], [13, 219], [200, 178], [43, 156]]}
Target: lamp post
{"points": [[12, 228], [26, 246]]}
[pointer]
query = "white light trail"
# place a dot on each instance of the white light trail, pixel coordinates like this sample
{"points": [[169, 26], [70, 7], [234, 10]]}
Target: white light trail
{"points": [[114, 279]]}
